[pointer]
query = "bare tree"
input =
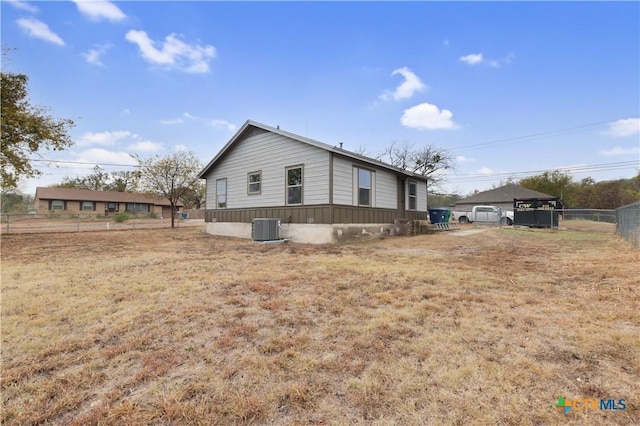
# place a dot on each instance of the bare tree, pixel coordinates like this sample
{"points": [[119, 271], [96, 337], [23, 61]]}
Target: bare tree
{"points": [[170, 177], [427, 161]]}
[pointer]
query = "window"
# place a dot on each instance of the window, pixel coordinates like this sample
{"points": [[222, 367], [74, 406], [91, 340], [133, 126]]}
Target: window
{"points": [[413, 195], [221, 193], [254, 180], [57, 205], [294, 185], [137, 207], [364, 187], [88, 206]]}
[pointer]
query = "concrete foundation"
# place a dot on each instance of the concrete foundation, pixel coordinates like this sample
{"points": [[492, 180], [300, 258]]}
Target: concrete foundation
{"points": [[310, 233]]}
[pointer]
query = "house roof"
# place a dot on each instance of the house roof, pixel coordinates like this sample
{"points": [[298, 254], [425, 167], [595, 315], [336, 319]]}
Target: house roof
{"points": [[249, 123], [503, 194], [74, 194]]}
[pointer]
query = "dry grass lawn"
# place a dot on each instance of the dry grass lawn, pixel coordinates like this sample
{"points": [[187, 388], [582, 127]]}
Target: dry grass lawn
{"points": [[179, 327]]}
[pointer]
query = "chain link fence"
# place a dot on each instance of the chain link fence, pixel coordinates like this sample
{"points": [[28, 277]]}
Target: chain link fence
{"points": [[628, 223], [47, 223]]}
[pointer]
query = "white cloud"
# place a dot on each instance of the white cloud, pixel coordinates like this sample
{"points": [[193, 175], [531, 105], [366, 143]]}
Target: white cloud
{"points": [[222, 124], [189, 116], [624, 127], [172, 121], [126, 111], [39, 29], [98, 10], [478, 58], [485, 171], [406, 89], [180, 148], [22, 5], [618, 150], [426, 116], [146, 146], [174, 53], [93, 55], [472, 59], [463, 159], [102, 156], [103, 138]]}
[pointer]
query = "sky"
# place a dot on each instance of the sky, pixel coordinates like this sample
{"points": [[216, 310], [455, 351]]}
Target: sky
{"points": [[510, 89]]}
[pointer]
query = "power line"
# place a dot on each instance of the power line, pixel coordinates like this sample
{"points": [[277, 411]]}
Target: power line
{"points": [[560, 132], [479, 177], [89, 163]]}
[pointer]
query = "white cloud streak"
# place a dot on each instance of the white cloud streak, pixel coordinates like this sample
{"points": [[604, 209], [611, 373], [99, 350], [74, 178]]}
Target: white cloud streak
{"points": [[624, 127], [38, 29], [223, 124], [146, 146], [103, 138], [618, 150], [426, 116], [92, 56], [173, 53], [478, 58], [22, 5], [101, 156], [407, 88], [472, 59], [100, 10]]}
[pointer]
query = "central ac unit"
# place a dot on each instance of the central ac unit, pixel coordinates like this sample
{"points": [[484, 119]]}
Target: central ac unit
{"points": [[266, 229]]}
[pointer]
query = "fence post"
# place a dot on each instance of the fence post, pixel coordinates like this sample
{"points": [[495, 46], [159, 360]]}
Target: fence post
{"points": [[8, 220], [78, 222]]}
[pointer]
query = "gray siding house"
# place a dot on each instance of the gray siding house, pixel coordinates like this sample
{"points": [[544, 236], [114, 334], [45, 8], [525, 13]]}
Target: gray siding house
{"points": [[321, 193]]}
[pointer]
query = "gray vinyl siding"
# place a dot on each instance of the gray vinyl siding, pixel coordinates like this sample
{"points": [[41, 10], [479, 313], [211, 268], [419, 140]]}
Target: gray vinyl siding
{"points": [[271, 154], [342, 181], [421, 196], [345, 185], [386, 190]]}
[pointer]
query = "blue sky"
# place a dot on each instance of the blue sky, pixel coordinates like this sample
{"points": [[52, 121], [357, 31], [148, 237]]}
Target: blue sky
{"points": [[509, 88]]}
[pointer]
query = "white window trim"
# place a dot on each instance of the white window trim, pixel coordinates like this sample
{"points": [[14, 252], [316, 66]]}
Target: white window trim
{"points": [[371, 186], [226, 192], [259, 183], [409, 196], [287, 186]]}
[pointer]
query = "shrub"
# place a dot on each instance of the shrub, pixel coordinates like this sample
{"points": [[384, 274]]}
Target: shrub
{"points": [[121, 217], [153, 215]]}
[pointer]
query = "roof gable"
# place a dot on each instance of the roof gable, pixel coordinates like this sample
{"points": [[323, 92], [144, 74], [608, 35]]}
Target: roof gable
{"points": [[75, 194], [503, 194], [250, 126]]}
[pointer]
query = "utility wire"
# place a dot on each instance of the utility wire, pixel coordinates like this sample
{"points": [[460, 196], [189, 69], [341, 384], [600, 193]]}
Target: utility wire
{"points": [[560, 132]]}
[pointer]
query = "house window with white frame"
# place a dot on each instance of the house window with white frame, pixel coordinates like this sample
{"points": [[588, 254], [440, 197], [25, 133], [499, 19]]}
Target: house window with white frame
{"points": [[413, 195], [57, 205], [294, 182], [364, 187], [254, 182], [221, 193]]}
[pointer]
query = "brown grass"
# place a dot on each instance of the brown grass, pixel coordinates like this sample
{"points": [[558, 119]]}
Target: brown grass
{"points": [[180, 327]]}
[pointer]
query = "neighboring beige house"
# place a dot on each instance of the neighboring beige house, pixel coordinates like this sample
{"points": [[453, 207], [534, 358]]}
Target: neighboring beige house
{"points": [[321, 193], [500, 197], [74, 201]]}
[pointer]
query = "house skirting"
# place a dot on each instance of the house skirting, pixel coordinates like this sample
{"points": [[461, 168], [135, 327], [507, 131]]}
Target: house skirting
{"points": [[310, 233]]}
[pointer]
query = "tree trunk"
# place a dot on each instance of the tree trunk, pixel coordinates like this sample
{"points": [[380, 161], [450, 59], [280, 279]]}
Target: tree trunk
{"points": [[173, 215]]}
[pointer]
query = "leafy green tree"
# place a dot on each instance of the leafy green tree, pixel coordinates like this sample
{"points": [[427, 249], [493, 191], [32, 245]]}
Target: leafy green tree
{"points": [[194, 196], [171, 177], [556, 183], [100, 180], [14, 201], [26, 131]]}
